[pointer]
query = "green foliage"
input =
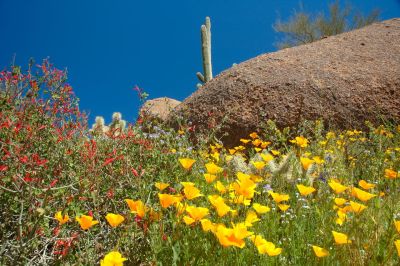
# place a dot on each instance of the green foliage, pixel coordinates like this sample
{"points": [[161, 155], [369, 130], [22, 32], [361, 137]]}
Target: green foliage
{"points": [[50, 162], [303, 27]]}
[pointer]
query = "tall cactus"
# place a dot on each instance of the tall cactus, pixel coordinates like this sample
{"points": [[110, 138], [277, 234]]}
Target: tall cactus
{"points": [[206, 52]]}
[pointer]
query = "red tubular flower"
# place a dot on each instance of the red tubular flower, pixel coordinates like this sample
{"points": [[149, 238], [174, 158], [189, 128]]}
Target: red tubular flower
{"points": [[23, 159]]}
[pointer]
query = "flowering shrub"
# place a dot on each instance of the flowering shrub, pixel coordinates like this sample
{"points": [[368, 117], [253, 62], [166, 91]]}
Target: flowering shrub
{"points": [[147, 195]]}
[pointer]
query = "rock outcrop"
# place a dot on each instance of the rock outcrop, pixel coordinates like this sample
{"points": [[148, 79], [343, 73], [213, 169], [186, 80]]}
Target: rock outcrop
{"points": [[344, 79], [158, 108]]}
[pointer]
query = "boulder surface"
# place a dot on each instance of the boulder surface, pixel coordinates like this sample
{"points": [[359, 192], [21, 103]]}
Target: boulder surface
{"points": [[344, 79], [158, 108]]}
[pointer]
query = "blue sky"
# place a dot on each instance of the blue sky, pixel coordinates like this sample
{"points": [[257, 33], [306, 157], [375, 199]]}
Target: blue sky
{"points": [[109, 47]]}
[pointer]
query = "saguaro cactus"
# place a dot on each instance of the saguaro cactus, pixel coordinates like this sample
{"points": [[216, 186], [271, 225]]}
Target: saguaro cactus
{"points": [[206, 52]]}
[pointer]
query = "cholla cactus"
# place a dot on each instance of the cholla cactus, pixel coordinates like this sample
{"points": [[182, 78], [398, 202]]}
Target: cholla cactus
{"points": [[238, 164], [99, 128], [116, 127], [284, 167]]}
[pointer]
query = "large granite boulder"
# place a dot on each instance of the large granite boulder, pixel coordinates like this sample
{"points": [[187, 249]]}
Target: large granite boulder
{"points": [[158, 108], [344, 79]]}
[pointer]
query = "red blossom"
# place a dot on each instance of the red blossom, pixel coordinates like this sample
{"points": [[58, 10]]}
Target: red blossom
{"points": [[108, 161], [110, 193], [38, 161], [3, 168], [56, 231], [41, 127], [7, 154], [23, 159], [6, 124], [28, 178], [53, 183], [134, 172], [17, 127]]}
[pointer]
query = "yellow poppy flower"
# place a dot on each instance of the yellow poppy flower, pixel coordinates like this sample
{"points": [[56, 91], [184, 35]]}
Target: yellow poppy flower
{"points": [[320, 252], [391, 174], [260, 209], [61, 220], [357, 207], [257, 149], [137, 207], [337, 187], [275, 152], [330, 135], [341, 217], [219, 203], [86, 221], [256, 142], [220, 187], [213, 169], [318, 160], [209, 177], [207, 225], [114, 219], [195, 214], [267, 157], [340, 201], [244, 186], [187, 163], [232, 151], [340, 238], [253, 135], [256, 178], [365, 185], [259, 165], [264, 246], [302, 142], [245, 141], [397, 224], [161, 186], [167, 200], [251, 217], [232, 236], [228, 158], [283, 207], [361, 194], [239, 199], [305, 190], [397, 244], [216, 156], [239, 148], [114, 258], [265, 144], [191, 192], [279, 197], [187, 184], [306, 162]]}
